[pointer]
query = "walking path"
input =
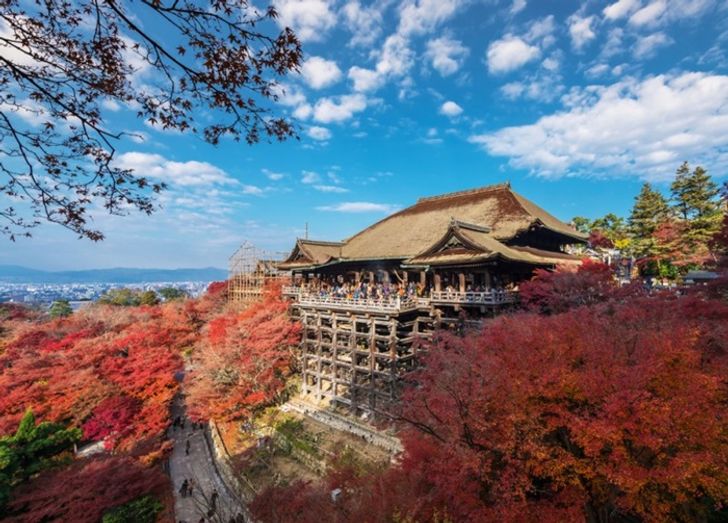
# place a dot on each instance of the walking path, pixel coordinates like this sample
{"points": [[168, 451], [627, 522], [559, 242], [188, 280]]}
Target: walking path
{"points": [[198, 468]]}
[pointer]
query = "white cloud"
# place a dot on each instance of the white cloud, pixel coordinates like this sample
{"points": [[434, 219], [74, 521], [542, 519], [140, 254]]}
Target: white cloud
{"points": [[302, 112], [517, 6], [319, 72], [396, 58], [620, 9], [330, 189], [365, 79], [647, 45], [273, 176], [597, 70], [289, 95], [110, 104], [356, 207], [580, 30], [319, 133], [252, 189], [649, 14], [632, 127], [541, 32], [309, 177], [451, 109], [446, 55], [190, 173], [339, 108], [423, 16], [365, 23], [510, 53], [309, 19]]}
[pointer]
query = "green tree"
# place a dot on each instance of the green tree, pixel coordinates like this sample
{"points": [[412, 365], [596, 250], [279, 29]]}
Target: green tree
{"points": [[649, 210], [60, 309], [582, 224], [172, 293], [121, 297], [32, 449], [148, 298], [140, 510], [695, 197]]}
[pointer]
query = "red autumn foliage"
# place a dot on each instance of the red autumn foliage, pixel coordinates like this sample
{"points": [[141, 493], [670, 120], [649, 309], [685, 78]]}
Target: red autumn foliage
{"points": [[243, 359], [84, 491], [598, 240], [112, 419], [611, 412], [66, 368], [552, 292]]}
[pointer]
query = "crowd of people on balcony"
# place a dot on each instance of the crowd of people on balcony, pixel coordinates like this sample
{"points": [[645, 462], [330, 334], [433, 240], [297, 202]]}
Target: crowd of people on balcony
{"points": [[385, 292]]}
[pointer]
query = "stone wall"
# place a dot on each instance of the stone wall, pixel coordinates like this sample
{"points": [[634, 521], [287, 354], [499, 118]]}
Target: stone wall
{"points": [[343, 423]]}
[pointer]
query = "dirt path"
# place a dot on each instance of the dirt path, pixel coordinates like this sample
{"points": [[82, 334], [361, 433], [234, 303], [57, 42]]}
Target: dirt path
{"points": [[198, 467]]}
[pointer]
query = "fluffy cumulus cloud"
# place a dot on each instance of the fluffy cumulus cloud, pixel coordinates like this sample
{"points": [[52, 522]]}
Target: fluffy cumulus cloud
{"points": [[642, 128], [319, 72], [646, 46], [446, 55], [451, 109], [339, 108], [365, 23], [580, 30], [319, 133], [365, 79], [358, 207], [620, 9], [510, 53], [422, 16], [309, 19], [186, 174]]}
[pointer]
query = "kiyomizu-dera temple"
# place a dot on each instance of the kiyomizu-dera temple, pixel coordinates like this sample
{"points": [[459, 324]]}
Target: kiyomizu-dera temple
{"points": [[363, 301]]}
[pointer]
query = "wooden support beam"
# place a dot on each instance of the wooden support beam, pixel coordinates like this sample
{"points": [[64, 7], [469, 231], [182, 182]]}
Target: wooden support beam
{"points": [[461, 281]]}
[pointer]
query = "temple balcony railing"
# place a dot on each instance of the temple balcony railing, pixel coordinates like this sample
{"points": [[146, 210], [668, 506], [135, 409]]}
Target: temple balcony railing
{"points": [[290, 290], [491, 297], [392, 305]]}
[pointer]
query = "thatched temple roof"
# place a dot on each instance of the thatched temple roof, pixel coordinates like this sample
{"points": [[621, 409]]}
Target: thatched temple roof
{"points": [[482, 220]]}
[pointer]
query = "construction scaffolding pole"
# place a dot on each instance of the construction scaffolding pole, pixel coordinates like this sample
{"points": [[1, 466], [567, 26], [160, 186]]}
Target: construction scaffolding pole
{"points": [[250, 269]]}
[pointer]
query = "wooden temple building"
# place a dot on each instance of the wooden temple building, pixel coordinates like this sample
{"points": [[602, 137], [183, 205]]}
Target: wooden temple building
{"points": [[365, 302]]}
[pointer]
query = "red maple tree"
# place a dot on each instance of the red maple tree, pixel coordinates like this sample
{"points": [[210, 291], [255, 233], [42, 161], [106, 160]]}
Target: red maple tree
{"points": [[242, 360]]}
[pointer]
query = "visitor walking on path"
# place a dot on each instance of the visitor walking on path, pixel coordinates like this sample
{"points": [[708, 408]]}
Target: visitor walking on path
{"points": [[191, 466]]}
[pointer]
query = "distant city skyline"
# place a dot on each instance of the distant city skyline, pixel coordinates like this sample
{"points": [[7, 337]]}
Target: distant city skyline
{"points": [[576, 104]]}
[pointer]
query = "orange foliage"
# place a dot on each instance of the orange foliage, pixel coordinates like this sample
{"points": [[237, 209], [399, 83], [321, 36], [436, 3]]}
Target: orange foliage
{"points": [[242, 360]]}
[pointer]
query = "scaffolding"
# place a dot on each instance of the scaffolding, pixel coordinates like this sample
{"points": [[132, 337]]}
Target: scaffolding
{"points": [[250, 270]]}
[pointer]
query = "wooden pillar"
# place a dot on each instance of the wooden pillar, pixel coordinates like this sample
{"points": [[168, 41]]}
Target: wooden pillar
{"points": [[334, 364], [461, 281], [423, 279], [437, 282], [487, 279], [371, 276]]}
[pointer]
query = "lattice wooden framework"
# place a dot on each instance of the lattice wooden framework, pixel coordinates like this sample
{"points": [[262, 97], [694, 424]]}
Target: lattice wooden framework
{"points": [[250, 269]]}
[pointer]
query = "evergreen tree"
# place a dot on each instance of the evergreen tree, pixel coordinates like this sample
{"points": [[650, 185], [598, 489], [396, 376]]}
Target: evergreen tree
{"points": [[695, 197], [650, 209], [32, 449], [148, 298], [60, 309]]}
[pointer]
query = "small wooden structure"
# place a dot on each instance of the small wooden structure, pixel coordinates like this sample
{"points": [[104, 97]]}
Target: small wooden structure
{"points": [[249, 270], [445, 261]]}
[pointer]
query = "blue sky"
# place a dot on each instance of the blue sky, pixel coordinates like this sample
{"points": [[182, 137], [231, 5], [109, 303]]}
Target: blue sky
{"points": [[576, 104]]}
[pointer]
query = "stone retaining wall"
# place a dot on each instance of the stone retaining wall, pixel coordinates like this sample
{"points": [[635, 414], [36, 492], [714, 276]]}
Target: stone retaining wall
{"points": [[345, 424]]}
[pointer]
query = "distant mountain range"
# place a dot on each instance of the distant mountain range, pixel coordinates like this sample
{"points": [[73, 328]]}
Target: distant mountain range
{"points": [[18, 274]]}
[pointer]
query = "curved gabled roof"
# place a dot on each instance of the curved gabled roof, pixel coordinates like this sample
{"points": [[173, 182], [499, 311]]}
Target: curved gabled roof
{"points": [[309, 253], [411, 230], [465, 243]]}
